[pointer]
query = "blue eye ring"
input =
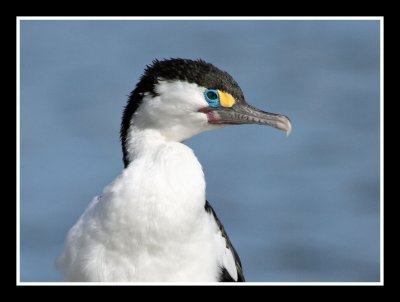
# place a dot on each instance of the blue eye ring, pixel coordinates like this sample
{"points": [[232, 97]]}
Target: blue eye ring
{"points": [[212, 98]]}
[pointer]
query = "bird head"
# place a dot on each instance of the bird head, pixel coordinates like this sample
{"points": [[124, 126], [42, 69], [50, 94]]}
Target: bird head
{"points": [[181, 98]]}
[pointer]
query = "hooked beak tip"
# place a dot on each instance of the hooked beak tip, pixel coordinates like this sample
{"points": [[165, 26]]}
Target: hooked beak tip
{"points": [[287, 127], [289, 131], [281, 122]]}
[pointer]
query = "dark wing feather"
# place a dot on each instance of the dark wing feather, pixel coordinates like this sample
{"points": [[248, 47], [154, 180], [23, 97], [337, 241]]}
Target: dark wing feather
{"points": [[225, 276]]}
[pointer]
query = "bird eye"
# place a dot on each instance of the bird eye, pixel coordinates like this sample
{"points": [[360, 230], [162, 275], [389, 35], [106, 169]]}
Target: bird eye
{"points": [[212, 97]]}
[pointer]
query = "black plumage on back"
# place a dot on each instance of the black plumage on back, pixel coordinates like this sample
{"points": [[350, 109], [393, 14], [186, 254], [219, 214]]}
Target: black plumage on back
{"points": [[224, 274]]}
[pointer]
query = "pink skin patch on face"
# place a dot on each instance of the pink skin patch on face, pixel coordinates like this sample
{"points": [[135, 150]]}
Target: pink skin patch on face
{"points": [[212, 116]]}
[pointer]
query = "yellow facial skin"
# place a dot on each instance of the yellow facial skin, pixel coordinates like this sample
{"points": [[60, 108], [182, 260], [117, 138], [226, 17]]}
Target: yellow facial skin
{"points": [[225, 99]]}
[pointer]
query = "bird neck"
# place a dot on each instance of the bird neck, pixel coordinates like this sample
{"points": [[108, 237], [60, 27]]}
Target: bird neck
{"points": [[140, 142], [174, 178]]}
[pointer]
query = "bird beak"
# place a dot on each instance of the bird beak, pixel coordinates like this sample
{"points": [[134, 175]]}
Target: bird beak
{"points": [[240, 114]]}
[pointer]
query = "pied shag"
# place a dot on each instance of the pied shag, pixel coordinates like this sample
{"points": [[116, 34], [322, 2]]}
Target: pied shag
{"points": [[153, 222]]}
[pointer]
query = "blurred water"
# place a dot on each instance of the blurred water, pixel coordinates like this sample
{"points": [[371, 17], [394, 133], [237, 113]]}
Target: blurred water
{"points": [[302, 208]]}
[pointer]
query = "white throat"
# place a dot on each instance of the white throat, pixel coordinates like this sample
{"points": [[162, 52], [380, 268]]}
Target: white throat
{"points": [[171, 175], [142, 142]]}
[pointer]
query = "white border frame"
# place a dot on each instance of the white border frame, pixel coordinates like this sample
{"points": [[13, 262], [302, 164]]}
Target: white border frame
{"points": [[19, 19]]}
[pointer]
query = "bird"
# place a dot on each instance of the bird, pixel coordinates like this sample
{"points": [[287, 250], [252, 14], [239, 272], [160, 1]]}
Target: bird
{"points": [[153, 222]]}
